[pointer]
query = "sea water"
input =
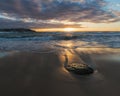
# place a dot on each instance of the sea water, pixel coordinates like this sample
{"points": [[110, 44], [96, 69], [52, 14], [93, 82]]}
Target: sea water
{"points": [[34, 41]]}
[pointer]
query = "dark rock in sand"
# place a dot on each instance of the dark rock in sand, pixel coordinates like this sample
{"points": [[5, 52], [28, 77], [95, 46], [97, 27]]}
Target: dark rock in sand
{"points": [[81, 69]]}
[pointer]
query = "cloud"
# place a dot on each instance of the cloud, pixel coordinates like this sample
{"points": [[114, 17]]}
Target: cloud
{"points": [[23, 23], [37, 13]]}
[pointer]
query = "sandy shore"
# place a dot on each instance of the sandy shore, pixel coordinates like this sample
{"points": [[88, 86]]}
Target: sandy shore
{"points": [[43, 74]]}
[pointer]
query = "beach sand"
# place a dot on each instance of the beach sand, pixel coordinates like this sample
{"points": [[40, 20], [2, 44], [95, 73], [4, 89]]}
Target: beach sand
{"points": [[43, 74]]}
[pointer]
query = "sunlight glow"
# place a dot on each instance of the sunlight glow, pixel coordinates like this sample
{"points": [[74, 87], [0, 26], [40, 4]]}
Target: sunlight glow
{"points": [[69, 29]]}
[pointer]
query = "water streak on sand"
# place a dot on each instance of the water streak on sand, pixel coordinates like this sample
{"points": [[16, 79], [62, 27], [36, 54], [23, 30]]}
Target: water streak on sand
{"points": [[4, 53]]}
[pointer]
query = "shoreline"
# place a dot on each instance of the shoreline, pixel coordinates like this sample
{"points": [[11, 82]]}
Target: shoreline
{"points": [[35, 74]]}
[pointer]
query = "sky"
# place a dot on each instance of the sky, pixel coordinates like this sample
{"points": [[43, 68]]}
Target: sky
{"points": [[61, 15]]}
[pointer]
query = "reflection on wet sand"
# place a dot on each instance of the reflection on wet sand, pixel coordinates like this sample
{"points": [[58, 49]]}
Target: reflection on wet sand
{"points": [[4, 54], [36, 74], [32, 74], [74, 54], [44, 74], [77, 55]]}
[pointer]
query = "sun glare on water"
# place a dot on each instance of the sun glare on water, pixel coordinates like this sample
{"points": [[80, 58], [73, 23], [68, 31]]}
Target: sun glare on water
{"points": [[69, 29]]}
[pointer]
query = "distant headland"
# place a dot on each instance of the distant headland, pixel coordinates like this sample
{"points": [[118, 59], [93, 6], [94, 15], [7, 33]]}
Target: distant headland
{"points": [[17, 30]]}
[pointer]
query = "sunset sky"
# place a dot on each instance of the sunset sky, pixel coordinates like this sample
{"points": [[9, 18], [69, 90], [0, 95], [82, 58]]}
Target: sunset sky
{"points": [[61, 15]]}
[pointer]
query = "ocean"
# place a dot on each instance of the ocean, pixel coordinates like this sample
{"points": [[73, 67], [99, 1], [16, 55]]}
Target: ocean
{"points": [[35, 41]]}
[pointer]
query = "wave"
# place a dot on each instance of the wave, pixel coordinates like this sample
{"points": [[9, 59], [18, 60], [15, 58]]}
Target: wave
{"points": [[60, 37], [88, 39]]}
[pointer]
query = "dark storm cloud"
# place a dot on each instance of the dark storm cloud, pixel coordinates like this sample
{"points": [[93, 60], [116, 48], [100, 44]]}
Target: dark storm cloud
{"points": [[71, 10]]}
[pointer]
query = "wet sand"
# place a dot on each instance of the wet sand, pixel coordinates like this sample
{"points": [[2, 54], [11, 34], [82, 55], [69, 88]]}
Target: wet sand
{"points": [[43, 74]]}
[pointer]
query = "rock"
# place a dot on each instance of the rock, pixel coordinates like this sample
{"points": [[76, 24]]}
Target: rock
{"points": [[81, 69]]}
